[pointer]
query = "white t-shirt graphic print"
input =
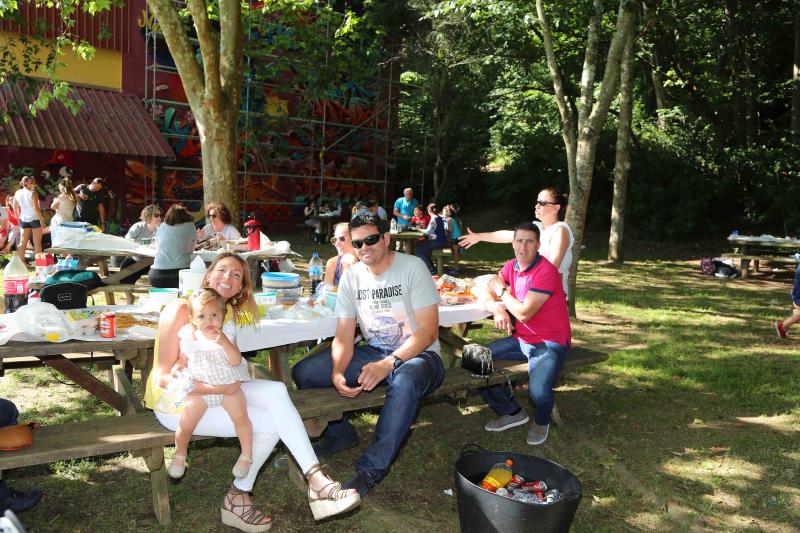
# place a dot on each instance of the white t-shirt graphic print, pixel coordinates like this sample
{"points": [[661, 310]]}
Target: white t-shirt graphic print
{"points": [[384, 305]]}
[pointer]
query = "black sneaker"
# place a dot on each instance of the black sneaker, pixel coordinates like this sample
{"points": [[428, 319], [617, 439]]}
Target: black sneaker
{"points": [[327, 447], [362, 482], [20, 501]]}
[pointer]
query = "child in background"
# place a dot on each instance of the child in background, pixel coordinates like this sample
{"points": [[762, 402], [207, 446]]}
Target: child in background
{"points": [[212, 358], [782, 326], [453, 222], [420, 220]]}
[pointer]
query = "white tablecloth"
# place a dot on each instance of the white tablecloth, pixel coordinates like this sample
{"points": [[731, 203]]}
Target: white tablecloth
{"points": [[277, 332]]}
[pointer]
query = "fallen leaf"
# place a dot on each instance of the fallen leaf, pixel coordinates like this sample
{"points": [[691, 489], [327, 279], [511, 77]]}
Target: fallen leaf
{"points": [[697, 421], [679, 454], [716, 450]]}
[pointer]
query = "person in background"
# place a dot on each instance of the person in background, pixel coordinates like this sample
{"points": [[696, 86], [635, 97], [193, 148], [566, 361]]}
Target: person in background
{"points": [[269, 406], [175, 240], [64, 204], [219, 224], [91, 205], [452, 222], [435, 237], [420, 220], [11, 226], [17, 501], [346, 256], [359, 209], [404, 208], [529, 289], [142, 232], [31, 220], [5, 231], [782, 326], [375, 204], [556, 236]]}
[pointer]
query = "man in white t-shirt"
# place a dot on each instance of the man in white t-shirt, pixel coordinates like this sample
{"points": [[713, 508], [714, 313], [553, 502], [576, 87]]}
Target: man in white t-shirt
{"points": [[394, 301]]}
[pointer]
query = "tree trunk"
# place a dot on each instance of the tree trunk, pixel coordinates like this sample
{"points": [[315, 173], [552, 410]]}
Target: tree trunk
{"points": [[796, 79], [213, 90], [658, 88], [735, 61], [623, 156]]}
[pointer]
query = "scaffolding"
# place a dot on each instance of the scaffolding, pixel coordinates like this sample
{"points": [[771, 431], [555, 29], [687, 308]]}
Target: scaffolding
{"points": [[254, 170]]}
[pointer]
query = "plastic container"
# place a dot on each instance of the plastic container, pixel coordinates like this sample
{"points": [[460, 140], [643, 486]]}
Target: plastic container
{"points": [[265, 300], [289, 296], [189, 281], [15, 284], [482, 511], [331, 297], [316, 267], [280, 280], [499, 476], [163, 296]]}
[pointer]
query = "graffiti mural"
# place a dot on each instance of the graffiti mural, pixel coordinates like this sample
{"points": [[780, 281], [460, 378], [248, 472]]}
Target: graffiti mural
{"points": [[279, 168]]}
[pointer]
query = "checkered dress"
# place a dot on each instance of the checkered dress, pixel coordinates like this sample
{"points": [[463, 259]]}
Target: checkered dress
{"points": [[207, 361]]}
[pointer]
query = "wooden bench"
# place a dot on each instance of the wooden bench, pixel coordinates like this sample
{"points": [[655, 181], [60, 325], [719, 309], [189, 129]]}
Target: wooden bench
{"points": [[142, 435], [744, 261], [444, 253]]}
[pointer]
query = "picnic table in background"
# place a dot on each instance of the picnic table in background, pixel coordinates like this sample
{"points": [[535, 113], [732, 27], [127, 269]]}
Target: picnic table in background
{"points": [[766, 248], [409, 239], [253, 259], [326, 223]]}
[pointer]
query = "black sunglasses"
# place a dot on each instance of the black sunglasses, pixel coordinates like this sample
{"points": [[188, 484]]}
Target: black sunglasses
{"points": [[334, 240], [543, 203], [157, 215], [369, 241]]}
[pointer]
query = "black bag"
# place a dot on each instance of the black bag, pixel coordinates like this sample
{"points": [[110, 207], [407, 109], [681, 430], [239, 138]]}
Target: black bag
{"points": [[65, 295], [724, 270], [477, 360], [87, 278]]}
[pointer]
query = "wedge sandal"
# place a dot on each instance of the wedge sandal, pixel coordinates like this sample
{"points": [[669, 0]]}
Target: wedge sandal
{"points": [[250, 520], [335, 501]]}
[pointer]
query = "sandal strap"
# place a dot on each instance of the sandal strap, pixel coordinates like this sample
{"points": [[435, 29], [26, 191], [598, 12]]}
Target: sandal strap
{"points": [[334, 493], [250, 514], [313, 470]]}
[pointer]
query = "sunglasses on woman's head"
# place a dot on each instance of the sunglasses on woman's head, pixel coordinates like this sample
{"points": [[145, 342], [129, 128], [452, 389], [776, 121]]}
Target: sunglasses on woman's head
{"points": [[334, 240], [369, 241], [543, 203]]}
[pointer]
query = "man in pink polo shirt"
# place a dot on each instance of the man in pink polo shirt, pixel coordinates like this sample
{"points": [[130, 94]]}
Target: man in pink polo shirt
{"points": [[527, 300]]}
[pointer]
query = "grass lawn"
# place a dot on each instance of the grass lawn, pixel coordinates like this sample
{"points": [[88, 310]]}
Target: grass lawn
{"points": [[693, 424]]}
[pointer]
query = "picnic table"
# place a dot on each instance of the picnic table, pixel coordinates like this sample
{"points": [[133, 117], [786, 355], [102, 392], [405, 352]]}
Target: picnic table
{"points": [[748, 248], [409, 239], [326, 223]]}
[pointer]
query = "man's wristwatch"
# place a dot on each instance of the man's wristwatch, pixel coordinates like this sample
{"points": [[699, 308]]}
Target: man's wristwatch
{"points": [[498, 290], [396, 362]]}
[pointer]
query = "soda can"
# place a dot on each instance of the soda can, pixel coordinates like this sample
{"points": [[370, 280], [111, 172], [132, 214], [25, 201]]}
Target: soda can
{"points": [[516, 478], [108, 325], [552, 496], [534, 486], [502, 492]]}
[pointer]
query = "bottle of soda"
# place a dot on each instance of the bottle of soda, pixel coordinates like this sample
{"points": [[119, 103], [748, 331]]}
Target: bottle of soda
{"points": [[315, 267], [498, 476], [15, 284]]}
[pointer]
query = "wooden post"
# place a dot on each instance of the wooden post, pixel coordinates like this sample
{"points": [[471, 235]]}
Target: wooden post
{"points": [[158, 483]]}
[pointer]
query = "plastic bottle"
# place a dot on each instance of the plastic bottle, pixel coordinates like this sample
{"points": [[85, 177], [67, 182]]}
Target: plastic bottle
{"points": [[498, 476], [15, 284], [315, 267], [393, 226]]}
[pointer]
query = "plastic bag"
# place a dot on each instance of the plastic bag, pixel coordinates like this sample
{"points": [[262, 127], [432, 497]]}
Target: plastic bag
{"points": [[42, 320], [285, 265]]}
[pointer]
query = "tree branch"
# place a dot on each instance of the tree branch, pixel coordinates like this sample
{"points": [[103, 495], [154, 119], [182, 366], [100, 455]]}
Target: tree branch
{"points": [[230, 50], [209, 48], [589, 65], [181, 50], [552, 65]]}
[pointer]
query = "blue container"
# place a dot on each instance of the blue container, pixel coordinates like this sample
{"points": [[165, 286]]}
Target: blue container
{"points": [[280, 280]]}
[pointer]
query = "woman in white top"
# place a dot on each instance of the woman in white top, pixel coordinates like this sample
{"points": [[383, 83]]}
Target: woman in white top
{"points": [[556, 239], [64, 204], [219, 225], [26, 205]]}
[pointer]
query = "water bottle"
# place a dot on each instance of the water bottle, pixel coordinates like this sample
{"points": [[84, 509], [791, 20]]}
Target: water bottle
{"points": [[15, 284], [315, 267], [498, 476], [393, 226]]}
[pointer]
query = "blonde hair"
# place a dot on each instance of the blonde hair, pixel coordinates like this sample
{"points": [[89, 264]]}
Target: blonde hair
{"points": [[204, 296], [66, 183], [243, 303]]}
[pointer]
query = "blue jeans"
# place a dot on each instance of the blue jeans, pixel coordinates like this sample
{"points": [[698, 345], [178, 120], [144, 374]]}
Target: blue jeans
{"points": [[424, 249], [407, 385], [8, 413], [544, 363]]}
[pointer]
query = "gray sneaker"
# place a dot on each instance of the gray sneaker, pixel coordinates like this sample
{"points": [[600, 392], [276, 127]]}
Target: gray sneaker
{"points": [[507, 422], [537, 434]]}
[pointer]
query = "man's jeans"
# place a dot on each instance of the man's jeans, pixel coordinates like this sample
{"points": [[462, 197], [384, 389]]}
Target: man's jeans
{"points": [[544, 363], [407, 385]]}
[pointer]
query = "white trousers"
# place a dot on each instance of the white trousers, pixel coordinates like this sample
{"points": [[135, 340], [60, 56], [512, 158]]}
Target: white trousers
{"points": [[274, 418]]}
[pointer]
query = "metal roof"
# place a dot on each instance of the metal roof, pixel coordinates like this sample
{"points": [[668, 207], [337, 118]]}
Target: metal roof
{"points": [[108, 122]]}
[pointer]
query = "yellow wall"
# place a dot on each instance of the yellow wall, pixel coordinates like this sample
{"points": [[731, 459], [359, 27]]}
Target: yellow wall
{"points": [[104, 70]]}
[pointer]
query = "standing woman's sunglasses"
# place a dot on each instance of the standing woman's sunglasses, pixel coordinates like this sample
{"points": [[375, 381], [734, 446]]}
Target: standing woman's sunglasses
{"points": [[369, 241]]}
